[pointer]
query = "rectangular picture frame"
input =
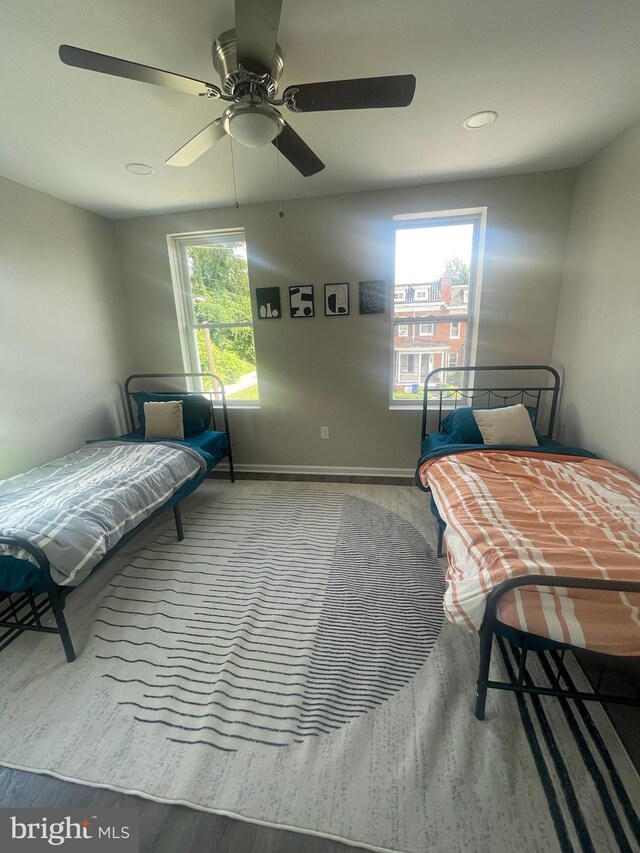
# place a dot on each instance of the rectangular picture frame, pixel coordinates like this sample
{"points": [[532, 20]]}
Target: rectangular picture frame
{"points": [[268, 303], [372, 297], [301, 301], [336, 299]]}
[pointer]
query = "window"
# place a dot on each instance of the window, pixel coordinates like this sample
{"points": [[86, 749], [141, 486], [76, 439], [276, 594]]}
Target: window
{"points": [[403, 331], [211, 286], [438, 260], [408, 367], [408, 363]]}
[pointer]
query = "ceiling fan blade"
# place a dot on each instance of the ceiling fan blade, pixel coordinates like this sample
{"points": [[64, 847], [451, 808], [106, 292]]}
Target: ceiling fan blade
{"points": [[362, 94], [257, 24], [198, 144], [297, 152], [106, 64]]}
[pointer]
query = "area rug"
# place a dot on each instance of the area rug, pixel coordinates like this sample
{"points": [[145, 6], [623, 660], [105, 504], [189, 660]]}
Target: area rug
{"points": [[288, 664]]}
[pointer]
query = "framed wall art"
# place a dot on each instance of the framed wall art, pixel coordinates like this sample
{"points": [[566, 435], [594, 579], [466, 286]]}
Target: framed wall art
{"points": [[268, 303], [301, 300], [336, 299], [372, 297]]}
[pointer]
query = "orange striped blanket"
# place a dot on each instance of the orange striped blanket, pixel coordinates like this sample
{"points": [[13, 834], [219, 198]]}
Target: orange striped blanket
{"points": [[513, 513]]}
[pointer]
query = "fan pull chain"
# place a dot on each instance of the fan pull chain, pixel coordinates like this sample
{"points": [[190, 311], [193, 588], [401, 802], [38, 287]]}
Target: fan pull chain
{"points": [[280, 210], [233, 170]]}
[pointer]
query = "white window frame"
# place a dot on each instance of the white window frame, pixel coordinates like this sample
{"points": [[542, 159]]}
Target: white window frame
{"points": [[454, 356], [448, 217], [403, 330], [456, 336], [176, 244], [431, 326]]}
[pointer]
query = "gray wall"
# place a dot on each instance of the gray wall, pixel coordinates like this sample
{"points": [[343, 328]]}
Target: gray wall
{"points": [[61, 343], [335, 371], [597, 342]]}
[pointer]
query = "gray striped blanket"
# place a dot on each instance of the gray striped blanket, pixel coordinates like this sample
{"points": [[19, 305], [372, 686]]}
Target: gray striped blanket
{"points": [[78, 507]]}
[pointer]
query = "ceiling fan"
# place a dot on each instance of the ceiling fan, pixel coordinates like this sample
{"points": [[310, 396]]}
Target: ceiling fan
{"points": [[249, 63]]}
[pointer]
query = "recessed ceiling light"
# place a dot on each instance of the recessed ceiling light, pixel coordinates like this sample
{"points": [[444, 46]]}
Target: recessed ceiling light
{"points": [[139, 169], [478, 120]]}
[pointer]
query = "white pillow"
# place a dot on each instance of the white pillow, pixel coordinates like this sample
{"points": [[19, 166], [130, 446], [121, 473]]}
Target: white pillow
{"points": [[163, 420], [509, 425]]}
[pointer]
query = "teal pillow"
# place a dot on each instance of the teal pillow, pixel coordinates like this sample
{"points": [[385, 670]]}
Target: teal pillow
{"points": [[462, 428], [196, 409]]}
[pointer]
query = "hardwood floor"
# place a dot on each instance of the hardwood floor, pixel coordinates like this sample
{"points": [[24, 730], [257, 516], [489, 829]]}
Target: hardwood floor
{"points": [[163, 828], [317, 478]]}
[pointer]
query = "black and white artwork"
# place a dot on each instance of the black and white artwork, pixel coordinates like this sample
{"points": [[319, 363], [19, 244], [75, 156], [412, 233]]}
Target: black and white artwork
{"points": [[372, 297], [301, 300], [336, 299], [268, 303]]}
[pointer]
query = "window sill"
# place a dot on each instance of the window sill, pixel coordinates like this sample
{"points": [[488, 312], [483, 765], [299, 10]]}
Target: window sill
{"points": [[407, 406], [402, 406], [235, 405]]}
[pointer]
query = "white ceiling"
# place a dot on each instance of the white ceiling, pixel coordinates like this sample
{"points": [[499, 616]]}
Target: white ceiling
{"points": [[563, 76]]}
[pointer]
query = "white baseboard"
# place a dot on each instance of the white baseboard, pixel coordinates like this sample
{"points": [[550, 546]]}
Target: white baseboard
{"points": [[323, 470]]}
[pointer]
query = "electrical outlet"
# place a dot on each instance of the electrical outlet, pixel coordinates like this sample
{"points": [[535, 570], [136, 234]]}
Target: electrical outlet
{"points": [[324, 432]]}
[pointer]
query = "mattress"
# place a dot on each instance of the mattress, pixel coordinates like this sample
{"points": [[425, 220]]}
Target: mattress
{"points": [[210, 443], [78, 507], [437, 441], [519, 512]]}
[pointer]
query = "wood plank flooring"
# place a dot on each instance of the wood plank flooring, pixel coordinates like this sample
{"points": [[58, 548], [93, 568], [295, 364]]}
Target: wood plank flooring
{"points": [[163, 828], [316, 478]]}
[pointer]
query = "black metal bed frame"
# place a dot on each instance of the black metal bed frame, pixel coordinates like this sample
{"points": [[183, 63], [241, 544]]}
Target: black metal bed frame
{"points": [[218, 389], [24, 611], [492, 628], [28, 608], [535, 394], [34, 609]]}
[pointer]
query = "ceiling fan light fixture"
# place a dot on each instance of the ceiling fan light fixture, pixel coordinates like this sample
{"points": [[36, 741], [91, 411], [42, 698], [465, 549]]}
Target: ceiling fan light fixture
{"points": [[479, 120], [253, 125]]}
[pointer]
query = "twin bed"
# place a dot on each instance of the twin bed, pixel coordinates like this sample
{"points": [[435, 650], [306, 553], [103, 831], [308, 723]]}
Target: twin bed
{"points": [[543, 540], [60, 521]]}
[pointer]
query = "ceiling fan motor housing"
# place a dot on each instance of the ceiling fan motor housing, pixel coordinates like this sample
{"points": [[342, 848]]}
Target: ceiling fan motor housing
{"points": [[225, 61]]}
